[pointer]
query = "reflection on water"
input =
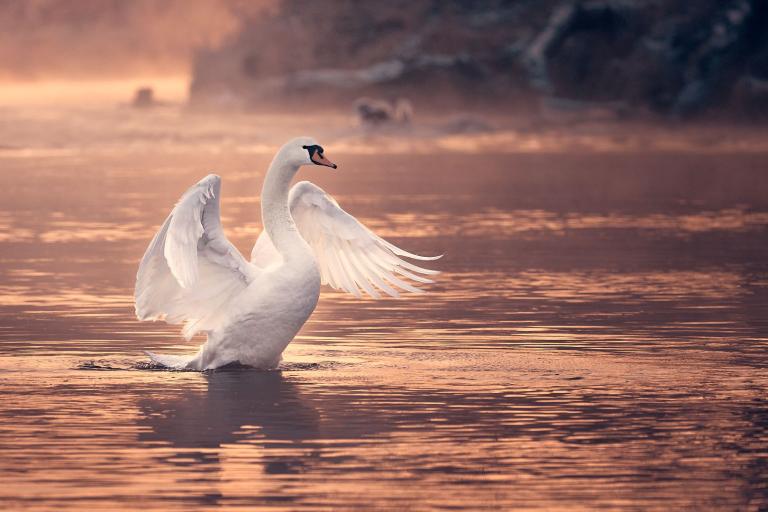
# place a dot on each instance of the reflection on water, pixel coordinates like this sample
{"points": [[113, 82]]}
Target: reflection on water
{"points": [[598, 336]]}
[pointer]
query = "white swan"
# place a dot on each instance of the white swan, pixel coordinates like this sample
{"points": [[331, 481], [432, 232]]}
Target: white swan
{"points": [[251, 310]]}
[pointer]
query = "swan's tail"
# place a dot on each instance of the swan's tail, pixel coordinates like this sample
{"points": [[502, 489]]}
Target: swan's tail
{"points": [[174, 362]]}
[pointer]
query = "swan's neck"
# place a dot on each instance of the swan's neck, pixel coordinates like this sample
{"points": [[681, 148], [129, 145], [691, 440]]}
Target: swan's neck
{"points": [[275, 213]]}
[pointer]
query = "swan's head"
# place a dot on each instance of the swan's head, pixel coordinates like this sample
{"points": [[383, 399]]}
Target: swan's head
{"points": [[305, 151]]}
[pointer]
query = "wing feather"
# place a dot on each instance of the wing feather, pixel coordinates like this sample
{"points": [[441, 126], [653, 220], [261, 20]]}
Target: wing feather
{"points": [[350, 256], [190, 272]]}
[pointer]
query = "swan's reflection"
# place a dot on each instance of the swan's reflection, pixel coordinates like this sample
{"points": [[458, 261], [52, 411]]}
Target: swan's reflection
{"points": [[237, 406]]}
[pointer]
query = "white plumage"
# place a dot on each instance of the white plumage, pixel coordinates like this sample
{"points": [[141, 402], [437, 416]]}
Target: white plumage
{"points": [[350, 256], [251, 310]]}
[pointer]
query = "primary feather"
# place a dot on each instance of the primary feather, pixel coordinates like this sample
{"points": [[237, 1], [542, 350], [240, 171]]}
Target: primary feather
{"points": [[190, 271], [350, 256]]}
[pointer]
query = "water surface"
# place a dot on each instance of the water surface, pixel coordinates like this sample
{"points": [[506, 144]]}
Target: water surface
{"points": [[597, 338]]}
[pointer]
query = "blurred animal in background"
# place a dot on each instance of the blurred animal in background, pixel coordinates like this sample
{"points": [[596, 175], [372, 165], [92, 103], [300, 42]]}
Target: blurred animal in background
{"points": [[377, 113]]}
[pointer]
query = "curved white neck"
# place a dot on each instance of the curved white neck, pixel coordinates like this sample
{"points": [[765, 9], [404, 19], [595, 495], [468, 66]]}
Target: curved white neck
{"points": [[275, 213]]}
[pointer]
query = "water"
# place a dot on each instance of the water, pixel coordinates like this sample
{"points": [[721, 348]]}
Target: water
{"points": [[597, 338]]}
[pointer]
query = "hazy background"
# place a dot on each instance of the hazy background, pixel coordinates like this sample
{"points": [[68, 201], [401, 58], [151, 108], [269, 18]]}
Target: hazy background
{"points": [[107, 39], [616, 59]]}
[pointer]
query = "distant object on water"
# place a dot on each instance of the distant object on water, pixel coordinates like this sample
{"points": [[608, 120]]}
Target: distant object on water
{"points": [[376, 113], [144, 97]]}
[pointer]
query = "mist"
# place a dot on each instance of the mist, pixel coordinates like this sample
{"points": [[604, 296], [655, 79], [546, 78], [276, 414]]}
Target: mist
{"points": [[108, 39]]}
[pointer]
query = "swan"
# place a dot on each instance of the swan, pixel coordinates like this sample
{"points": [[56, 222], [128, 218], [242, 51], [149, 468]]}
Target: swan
{"points": [[251, 310]]}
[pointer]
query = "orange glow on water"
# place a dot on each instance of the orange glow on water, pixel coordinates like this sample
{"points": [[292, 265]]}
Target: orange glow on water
{"points": [[594, 339]]}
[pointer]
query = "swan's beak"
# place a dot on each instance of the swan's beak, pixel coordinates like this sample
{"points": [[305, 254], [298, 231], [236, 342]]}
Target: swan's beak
{"points": [[320, 159]]}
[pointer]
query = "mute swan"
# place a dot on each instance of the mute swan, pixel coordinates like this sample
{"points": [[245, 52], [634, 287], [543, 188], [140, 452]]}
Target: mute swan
{"points": [[251, 310]]}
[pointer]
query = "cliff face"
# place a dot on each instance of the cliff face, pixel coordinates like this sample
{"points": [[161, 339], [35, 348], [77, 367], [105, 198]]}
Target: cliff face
{"points": [[671, 57]]}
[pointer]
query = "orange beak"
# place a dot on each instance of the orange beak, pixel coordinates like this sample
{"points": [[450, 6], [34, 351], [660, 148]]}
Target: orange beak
{"points": [[320, 159]]}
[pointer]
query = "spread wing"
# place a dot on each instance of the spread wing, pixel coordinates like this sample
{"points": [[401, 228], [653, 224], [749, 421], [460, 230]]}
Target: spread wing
{"points": [[350, 256], [190, 271]]}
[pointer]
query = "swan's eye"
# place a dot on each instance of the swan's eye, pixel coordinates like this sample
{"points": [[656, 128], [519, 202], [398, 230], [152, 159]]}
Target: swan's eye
{"points": [[314, 149]]}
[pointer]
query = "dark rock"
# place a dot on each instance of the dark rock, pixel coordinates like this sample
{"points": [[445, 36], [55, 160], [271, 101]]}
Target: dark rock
{"points": [[144, 97]]}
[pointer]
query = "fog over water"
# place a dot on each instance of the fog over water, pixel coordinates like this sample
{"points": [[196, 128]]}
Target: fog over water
{"points": [[76, 39]]}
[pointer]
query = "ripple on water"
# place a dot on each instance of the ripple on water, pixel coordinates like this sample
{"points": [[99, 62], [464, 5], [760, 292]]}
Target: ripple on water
{"points": [[597, 337]]}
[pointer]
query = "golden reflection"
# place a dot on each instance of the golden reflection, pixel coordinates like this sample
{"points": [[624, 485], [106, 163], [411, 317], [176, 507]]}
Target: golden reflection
{"points": [[79, 231], [635, 286], [73, 298], [570, 343], [493, 223], [497, 223]]}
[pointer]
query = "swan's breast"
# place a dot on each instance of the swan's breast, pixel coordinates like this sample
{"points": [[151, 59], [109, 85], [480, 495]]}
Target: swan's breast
{"points": [[291, 288]]}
